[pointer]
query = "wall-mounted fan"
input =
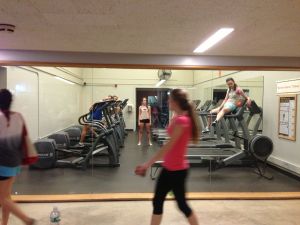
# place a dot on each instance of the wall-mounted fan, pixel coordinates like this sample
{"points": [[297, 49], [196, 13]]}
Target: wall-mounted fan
{"points": [[164, 74]]}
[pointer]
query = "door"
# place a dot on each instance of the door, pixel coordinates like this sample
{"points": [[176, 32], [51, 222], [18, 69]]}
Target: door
{"points": [[158, 101]]}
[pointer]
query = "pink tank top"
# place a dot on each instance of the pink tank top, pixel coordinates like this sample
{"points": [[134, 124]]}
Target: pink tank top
{"points": [[175, 158]]}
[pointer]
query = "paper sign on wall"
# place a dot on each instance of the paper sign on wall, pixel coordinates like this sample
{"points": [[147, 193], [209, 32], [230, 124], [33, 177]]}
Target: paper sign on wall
{"points": [[287, 117], [290, 86]]}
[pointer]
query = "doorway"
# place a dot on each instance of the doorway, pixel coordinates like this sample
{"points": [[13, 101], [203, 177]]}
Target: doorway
{"points": [[158, 101]]}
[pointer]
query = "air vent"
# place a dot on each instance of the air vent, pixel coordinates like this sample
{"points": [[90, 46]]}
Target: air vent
{"points": [[9, 28]]}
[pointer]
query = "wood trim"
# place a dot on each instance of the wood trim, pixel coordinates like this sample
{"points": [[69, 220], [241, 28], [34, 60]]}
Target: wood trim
{"points": [[148, 197], [146, 66]]}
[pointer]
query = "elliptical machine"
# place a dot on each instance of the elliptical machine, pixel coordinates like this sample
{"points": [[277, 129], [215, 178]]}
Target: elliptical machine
{"points": [[258, 148]]}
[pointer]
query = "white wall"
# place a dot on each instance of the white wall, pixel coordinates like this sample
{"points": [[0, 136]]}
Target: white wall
{"points": [[101, 82], [60, 104], [286, 153], [24, 86], [206, 81], [48, 104]]}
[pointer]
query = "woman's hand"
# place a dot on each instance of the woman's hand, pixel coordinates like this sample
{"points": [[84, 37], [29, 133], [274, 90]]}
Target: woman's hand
{"points": [[249, 102], [141, 170]]}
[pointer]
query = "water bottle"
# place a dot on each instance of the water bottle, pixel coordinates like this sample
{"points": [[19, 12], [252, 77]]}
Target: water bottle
{"points": [[55, 216]]}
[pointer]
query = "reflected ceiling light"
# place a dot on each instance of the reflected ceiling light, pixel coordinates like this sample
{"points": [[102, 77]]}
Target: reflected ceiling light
{"points": [[20, 88], [160, 83], [188, 61], [64, 80], [214, 39]]}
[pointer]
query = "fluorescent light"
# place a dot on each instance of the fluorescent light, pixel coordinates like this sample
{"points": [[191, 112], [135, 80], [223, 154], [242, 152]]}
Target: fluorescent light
{"points": [[64, 80], [214, 39], [160, 83]]}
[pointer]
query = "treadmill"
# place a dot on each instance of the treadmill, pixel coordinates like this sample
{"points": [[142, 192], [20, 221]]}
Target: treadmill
{"points": [[220, 151], [214, 138], [200, 156], [203, 113]]}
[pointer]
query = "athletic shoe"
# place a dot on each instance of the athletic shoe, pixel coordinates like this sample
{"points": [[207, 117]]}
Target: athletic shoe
{"points": [[206, 130], [80, 144], [139, 144], [150, 144], [214, 123]]}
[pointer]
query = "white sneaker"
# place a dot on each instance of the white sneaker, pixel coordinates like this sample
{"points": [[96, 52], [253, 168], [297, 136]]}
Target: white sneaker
{"points": [[206, 130], [139, 144], [150, 144], [80, 144]]}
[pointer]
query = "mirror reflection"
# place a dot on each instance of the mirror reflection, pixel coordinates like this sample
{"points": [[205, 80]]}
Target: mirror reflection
{"points": [[93, 126]]}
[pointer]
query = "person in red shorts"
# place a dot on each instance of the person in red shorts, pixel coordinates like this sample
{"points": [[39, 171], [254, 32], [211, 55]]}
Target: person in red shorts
{"points": [[183, 127]]}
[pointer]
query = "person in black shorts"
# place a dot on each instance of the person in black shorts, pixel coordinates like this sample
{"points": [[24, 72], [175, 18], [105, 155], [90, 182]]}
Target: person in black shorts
{"points": [[12, 133], [144, 120]]}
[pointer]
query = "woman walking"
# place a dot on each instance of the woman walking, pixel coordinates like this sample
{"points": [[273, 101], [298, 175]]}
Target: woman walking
{"points": [[182, 128], [12, 132]]}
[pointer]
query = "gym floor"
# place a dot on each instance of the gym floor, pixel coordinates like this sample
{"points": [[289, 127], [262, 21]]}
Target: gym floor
{"points": [[123, 180], [136, 213]]}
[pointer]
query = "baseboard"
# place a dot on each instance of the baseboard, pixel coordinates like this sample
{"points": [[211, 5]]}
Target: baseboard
{"points": [[56, 131], [284, 165]]}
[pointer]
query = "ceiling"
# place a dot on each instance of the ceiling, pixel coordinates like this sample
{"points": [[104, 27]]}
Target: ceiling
{"points": [[262, 28]]}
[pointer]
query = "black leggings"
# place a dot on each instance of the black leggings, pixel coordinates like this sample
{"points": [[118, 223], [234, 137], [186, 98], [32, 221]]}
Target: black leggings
{"points": [[171, 181], [4, 178]]}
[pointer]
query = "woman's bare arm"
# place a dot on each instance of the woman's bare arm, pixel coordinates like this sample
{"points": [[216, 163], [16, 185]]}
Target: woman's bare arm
{"points": [[176, 134], [149, 111]]}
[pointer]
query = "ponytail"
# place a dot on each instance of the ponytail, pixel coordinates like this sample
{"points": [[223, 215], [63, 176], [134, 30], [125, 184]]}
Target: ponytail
{"points": [[5, 102], [181, 97], [195, 122]]}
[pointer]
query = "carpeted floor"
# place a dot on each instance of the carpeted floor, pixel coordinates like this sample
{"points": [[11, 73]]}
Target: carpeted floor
{"points": [[122, 179]]}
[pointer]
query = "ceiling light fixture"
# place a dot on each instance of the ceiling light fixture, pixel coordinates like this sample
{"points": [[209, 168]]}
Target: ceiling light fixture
{"points": [[160, 83], [64, 80], [9, 28], [214, 39]]}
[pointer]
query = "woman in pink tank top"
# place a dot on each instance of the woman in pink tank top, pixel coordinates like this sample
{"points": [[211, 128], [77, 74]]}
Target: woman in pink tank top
{"points": [[183, 127]]}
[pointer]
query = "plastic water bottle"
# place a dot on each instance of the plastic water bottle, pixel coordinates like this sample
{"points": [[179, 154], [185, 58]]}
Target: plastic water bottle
{"points": [[55, 216]]}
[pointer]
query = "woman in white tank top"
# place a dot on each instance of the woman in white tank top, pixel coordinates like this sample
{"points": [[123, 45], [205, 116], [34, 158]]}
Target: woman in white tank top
{"points": [[144, 120]]}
